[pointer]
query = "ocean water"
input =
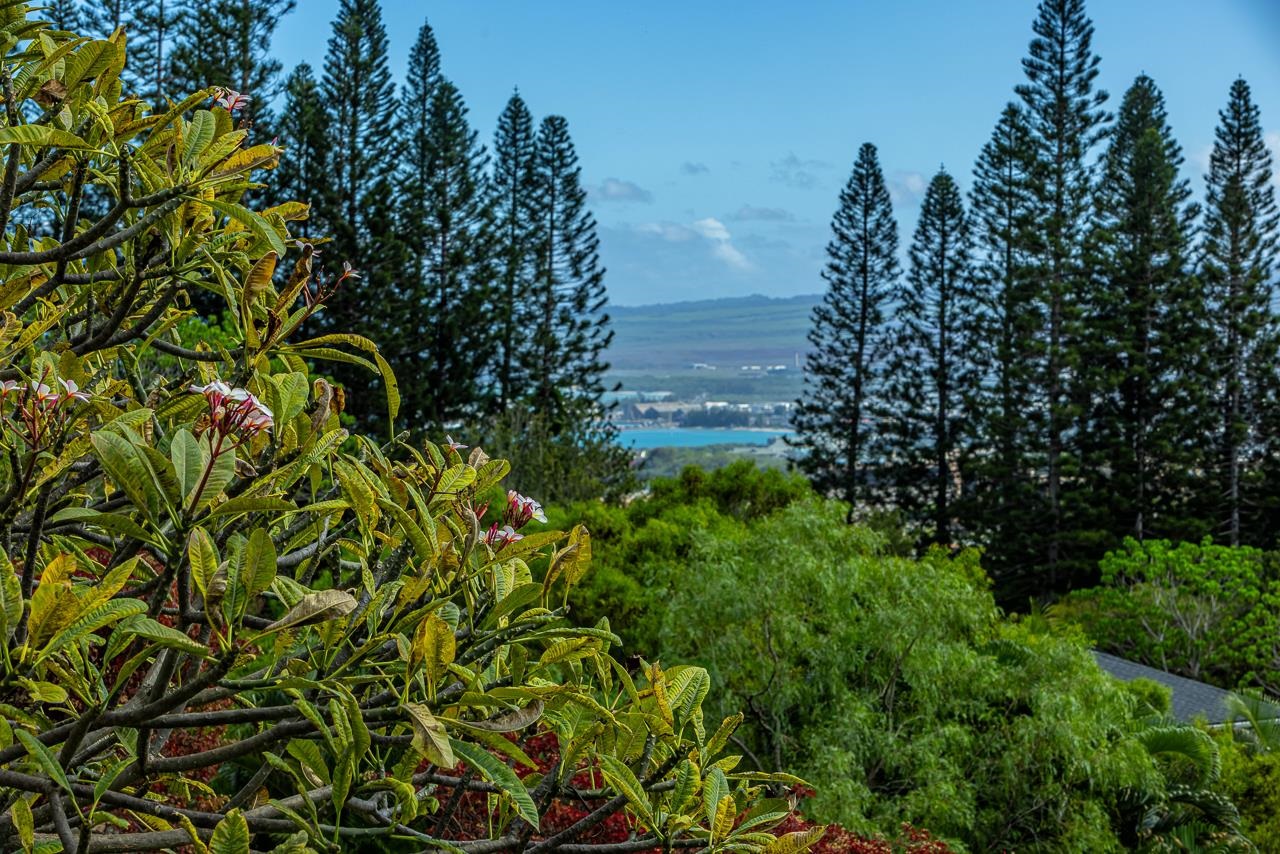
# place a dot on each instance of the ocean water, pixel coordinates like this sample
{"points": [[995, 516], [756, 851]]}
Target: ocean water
{"points": [[644, 438]]}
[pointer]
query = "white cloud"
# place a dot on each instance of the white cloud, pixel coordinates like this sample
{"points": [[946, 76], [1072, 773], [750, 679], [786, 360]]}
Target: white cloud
{"points": [[907, 188], [722, 243], [709, 230], [618, 190], [689, 167]]}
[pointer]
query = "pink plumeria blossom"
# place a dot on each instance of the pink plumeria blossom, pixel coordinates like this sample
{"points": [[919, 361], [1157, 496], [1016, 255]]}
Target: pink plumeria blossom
{"points": [[235, 410], [230, 99], [9, 386], [500, 537], [73, 391], [520, 509], [452, 445]]}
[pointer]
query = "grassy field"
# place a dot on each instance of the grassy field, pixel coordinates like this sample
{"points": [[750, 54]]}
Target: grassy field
{"points": [[727, 333]]}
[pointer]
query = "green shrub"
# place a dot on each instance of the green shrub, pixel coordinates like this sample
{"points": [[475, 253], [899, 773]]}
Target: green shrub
{"points": [[899, 689], [1202, 610]]}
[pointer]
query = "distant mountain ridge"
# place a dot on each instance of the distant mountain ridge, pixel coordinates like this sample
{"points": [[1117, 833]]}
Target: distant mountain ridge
{"points": [[727, 333]]}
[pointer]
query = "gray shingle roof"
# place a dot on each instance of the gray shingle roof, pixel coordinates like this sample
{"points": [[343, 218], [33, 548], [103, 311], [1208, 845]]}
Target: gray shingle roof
{"points": [[1191, 699]]}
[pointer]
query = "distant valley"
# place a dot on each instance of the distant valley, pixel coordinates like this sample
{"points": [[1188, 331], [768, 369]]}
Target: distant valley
{"points": [[724, 333]]}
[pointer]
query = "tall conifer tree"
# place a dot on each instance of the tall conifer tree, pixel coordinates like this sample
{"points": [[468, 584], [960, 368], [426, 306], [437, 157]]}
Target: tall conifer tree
{"points": [[152, 27], [65, 15], [304, 132], [443, 335], [1239, 252], [1143, 336], [570, 327], [515, 185], [843, 369], [1008, 505], [228, 43], [359, 97], [1064, 113], [104, 17], [932, 377]]}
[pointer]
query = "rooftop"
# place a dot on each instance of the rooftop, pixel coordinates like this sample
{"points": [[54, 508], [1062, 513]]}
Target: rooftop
{"points": [[1191, 699]]}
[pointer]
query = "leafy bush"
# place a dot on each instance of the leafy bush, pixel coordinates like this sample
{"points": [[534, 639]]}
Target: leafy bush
{"points": [[647, 541], [1206, 611], [898, 688], [226, 622]]}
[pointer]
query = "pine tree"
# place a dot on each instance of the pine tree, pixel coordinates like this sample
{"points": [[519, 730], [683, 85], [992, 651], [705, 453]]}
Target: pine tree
{"points": [[1144, 333], [1239, 251], [355, 212], [1066, 120], [303, 172], [932, 377], [843, 369], [514, 189], [228, 43], [570, 327], [443, 335], [65, 15], [104, 17], [1008, 506], [152, 27]]}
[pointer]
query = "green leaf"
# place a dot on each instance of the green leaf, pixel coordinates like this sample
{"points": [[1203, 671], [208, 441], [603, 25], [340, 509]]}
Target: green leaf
{"points": [[10, 598], [113, 523], [252, 221], [43, 136], [714, 788], [621, 778], [231, 836], [44, 758], [199, 133], [149, 629], [129, 474], [203, 556], [188, 462], [103, 614], [497, 772], [242, 504], [259, 562]]}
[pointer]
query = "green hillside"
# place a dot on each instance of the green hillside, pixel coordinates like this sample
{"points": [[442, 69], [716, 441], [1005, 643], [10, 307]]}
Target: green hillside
{"points": [[727, 333]]}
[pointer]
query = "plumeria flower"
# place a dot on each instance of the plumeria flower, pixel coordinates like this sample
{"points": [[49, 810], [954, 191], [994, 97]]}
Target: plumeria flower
{"points": [[521, 509], [235, 410], [44, 395], [454, 446], [73, 391], [9, 386], [231, 99], [216, 391], [502, 536]]}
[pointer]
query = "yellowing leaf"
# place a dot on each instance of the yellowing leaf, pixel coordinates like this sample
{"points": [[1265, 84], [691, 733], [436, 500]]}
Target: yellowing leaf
{"points": [[794, 843], [314, 607], [433, 647], [429, 737]]}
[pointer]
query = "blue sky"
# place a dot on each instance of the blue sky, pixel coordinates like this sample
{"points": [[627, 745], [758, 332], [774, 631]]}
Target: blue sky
{"points": [[715, 136]]}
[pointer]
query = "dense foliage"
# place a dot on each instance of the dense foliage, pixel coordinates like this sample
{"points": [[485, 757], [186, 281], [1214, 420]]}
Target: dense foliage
{"points": [[895, 683], [1207, 611], [225, 621]]}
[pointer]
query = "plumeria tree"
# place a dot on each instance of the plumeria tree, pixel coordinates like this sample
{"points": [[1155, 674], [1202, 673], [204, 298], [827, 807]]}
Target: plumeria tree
{"points": [[229, 624]]}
